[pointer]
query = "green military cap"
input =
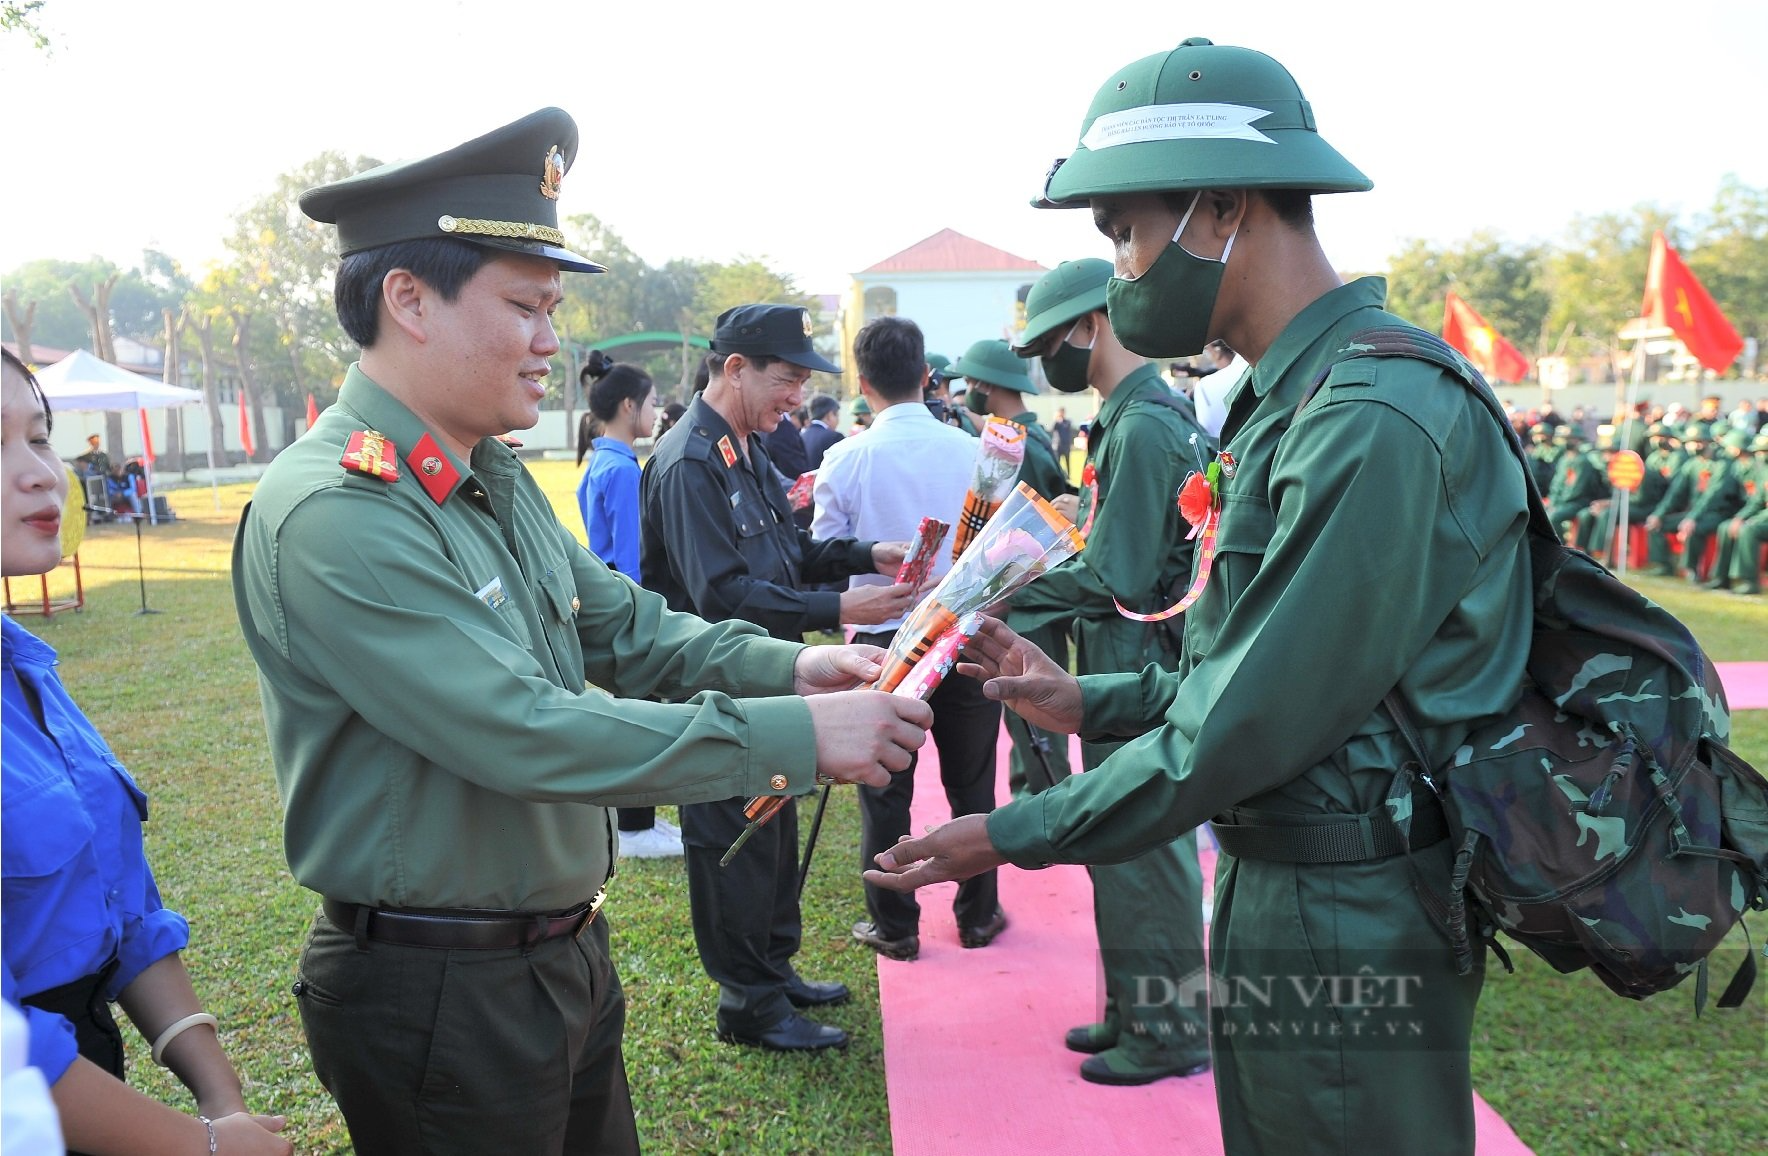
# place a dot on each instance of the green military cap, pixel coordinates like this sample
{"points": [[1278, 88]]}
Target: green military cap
{"points": [[1540, 430], [1735, 439], [1760, 444], [1070, 290], [861, 407], [1695, 431], [1657, 429], [500, 190], [937, 362], [1566, 433], [781, 331], [993, 362], [1203, 116]]}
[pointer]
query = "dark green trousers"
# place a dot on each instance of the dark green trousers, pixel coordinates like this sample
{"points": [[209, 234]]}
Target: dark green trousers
{"points": [[430, 1052], [1339, 1023], [1148, 915], [1040, 758]]}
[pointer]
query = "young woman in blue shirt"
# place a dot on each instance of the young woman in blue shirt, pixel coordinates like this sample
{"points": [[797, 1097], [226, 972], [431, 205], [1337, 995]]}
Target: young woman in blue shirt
{"points": [[83, 924]]}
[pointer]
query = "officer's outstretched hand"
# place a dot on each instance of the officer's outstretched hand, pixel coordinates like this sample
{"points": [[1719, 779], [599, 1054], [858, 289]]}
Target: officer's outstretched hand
{"points": [[958, 850], [1017, 673], [870, 605], [865, 736], [821, 669]]}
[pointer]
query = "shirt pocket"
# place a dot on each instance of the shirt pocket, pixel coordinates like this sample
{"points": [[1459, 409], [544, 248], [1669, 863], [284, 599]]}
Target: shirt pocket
{"points": [[46, 847], [1242, 538], [754, 524]]}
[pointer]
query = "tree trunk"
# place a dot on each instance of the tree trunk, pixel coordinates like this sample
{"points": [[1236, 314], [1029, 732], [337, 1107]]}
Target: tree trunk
{"points": [[169, 373], [97, 310], [21, 325], [249, 383], [204, 327]]}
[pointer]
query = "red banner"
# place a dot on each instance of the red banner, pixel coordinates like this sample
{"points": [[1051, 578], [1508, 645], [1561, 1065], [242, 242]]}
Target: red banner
{"points": [[245, 428], [1474, 336], [1674, 298], [146, 440], [312, 412]]}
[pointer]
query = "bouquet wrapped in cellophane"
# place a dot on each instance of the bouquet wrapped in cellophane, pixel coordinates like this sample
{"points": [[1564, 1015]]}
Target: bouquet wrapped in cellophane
{"points": [[1025, 537], [998, 460]]}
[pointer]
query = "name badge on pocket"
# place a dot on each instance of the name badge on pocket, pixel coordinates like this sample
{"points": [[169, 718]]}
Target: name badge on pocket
{"points": [[492, 594]]}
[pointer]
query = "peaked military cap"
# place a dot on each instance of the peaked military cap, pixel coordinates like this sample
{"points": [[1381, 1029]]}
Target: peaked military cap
{"points": [[781, 331], [499, 190], [993, 362]]}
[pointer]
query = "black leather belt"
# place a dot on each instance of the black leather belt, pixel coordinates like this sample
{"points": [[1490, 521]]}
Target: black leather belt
{"points": [[460, 931]]}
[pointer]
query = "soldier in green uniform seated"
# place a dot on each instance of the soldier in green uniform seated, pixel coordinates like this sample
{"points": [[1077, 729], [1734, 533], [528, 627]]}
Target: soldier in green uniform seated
{"points": [[1542, 455], [1579, 478], [1724, 499], [1368, 520], [996, 385], [1746, 533], [1596, 524], [1147, 911], [1691, 479], [426, 633]]}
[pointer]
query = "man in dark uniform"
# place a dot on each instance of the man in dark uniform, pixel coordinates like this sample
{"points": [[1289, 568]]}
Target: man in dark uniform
{"points": [[718, 539], [824, 429], [1344, 482], [425, 631]]}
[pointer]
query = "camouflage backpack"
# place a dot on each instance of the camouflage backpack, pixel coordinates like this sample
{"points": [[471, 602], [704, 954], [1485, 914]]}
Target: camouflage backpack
{"points": [[1603, 821]]}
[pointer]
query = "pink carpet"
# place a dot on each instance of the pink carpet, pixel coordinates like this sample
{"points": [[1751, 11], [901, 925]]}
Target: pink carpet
{"points": [[1746, 684], [973, 1054]]}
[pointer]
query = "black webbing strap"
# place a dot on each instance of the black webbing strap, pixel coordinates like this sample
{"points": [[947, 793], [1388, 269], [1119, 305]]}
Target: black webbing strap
{"points": [[1357, 840]]}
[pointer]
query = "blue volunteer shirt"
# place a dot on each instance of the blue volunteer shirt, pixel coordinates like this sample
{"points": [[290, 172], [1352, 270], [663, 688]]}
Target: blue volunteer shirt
{"points": [[77, 890], [608, 497]]}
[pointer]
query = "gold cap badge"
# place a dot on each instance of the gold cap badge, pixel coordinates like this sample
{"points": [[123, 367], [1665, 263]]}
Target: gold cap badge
{"points": [[806, 314], [552, 173]]}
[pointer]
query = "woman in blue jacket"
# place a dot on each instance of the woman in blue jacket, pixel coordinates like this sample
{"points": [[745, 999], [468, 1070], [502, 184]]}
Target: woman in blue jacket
{"points": [[81, 922]]}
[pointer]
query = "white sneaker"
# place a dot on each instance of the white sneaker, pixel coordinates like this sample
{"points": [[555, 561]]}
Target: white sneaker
{"points": [[655, 843], [668, 828]]}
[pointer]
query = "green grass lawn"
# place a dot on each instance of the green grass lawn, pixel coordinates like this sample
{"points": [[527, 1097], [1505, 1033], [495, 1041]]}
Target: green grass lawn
{"points": [[1573, 1068]]}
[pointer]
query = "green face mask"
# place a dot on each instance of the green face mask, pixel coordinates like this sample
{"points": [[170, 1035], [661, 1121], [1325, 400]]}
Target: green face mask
{"points": [[976, 398], [1165, 312], [1067, 368]]}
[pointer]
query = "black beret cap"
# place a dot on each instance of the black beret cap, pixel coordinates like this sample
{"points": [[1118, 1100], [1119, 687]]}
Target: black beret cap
{"points": [[781, 331], [499, 190]]}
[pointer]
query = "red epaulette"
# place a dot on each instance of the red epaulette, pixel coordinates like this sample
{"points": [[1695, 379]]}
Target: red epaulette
{"points": [[369, 452]]}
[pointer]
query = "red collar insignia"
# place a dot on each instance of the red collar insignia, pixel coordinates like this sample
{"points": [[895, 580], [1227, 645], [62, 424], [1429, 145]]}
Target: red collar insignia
{"points": [[435, 473], [725, 451]]}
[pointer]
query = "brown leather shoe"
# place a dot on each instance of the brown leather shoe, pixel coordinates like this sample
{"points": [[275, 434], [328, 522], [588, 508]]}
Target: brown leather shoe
{"points": [[985, 934], [904, 949]]}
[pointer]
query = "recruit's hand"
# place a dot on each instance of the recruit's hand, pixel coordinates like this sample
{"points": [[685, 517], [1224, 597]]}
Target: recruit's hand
{"points": [[1654, 522], [821, 669], [249, 1135], [1686, 528], [1732, 527], [864, 736], [887, 557], [1025, 678], [870, 605], [1068, 505], [957, 850]]}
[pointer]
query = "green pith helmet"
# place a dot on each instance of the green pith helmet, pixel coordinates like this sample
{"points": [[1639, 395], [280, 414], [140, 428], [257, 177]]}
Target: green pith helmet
{"points": [[861, 407], [1695, 431], [992, 362], [1658, 429], [1070, 290], [1567, 434], [1760, 445], [936, 366], [1203, 116], [1735, 439], [1540, 431]]}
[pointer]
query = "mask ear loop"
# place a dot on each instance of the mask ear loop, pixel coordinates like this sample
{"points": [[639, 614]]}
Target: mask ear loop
{"points": [[1186, 219], [1069, 340]]}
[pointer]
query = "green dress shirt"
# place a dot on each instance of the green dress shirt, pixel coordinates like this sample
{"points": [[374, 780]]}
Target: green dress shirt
{"points": [[422, 662], [1374, 541]]}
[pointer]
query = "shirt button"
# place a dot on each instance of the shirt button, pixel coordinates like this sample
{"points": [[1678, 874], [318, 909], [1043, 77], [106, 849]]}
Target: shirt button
{"points": [[778, 782], [114, 893], [576, 604]]}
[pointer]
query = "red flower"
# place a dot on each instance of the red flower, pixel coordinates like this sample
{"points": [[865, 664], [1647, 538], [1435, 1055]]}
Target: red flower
{"points": [[1195, 499]]}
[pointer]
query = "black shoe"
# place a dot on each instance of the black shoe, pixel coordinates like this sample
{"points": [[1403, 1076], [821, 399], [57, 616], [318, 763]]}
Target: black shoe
{"points": [[905, 949], [1109, 1068], [1091, 1039], [985, 934], [816, 993], [795, 1033]]}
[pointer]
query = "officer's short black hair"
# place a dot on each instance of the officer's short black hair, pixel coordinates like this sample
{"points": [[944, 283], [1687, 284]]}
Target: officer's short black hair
{"points": [[822, 405], [442, 263], [892, 356]]}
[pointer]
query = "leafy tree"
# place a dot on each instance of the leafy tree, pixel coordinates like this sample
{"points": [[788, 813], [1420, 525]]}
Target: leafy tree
{"points": [[1501, 282], [21, 16], [136, 301]]}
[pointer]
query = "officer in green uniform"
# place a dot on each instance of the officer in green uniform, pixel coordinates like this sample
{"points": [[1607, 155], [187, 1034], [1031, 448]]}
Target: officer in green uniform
{"points": [[1718, 504], [1367, 543], [1748, 531], [996, 385], [1145, 440], [424, 627], [1691, 480], [717, 539], [1579, 478]]}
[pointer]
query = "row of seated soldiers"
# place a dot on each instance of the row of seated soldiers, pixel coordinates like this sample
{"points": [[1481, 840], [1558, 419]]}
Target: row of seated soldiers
{"points": [[1700, 504]]}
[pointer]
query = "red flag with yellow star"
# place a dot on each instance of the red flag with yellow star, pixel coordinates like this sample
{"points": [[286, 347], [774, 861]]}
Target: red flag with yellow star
{"points": [[1674, 298], [1474, 336]]}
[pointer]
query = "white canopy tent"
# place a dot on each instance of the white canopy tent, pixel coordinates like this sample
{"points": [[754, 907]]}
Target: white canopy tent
{"points": [[81, 381]]}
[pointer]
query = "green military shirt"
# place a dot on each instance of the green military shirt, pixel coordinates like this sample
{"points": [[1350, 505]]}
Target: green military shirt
{"points": [[1378, 542], [1040, 470], [1720, 495], [1141, 450], [422, 662], [1660, 467]]}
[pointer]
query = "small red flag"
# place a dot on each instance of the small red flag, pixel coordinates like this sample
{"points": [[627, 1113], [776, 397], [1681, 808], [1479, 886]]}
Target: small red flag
{"points": [[245, 428], [312, 412], [146, 439], [1474, 336], [1674, 298]]}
